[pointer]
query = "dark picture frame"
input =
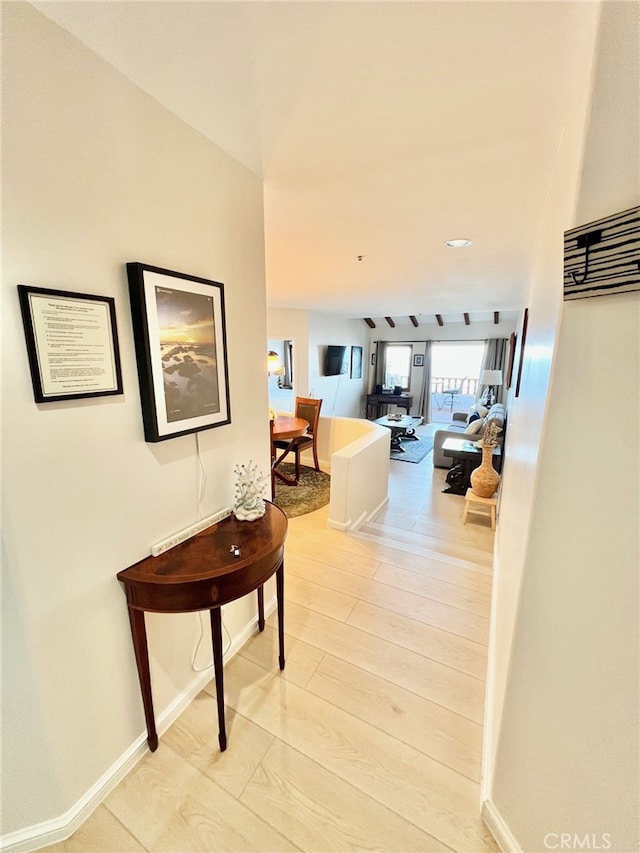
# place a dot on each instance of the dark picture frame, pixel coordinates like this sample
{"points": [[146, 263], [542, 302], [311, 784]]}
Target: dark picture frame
{"points": [[72, 344], [523, 340], [179, 329], [418, 360], [510, 359], [356, 362]]}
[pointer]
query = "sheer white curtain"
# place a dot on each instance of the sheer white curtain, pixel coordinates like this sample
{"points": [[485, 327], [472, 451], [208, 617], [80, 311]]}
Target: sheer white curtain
{"points": [[424, 400]]}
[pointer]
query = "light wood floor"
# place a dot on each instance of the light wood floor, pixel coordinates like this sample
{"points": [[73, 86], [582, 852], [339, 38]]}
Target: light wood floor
{"points": [[370, 739]]}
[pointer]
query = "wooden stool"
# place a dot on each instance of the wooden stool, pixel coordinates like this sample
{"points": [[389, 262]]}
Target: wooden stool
{"points": [[484, 506]]}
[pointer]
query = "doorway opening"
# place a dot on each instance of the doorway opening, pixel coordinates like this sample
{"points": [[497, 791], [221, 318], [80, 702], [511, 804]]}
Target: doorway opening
{"points": [[455, 373], [281, 378]]}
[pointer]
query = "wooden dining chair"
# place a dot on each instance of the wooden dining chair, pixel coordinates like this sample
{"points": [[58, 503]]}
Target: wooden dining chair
{"points": [[307, 408]]}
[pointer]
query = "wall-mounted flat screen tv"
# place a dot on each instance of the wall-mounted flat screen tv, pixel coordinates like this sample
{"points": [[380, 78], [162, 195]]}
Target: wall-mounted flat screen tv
{"points": [[336, 361]]}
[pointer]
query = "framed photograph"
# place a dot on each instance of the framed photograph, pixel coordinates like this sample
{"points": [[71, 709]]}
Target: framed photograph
{"points": [[181, 349], [523, 340], [72, 344], [418, 360], [356, 362], [510, 360]]}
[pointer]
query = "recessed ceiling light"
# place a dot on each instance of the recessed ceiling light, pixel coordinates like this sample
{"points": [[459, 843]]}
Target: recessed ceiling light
{"points": [[458, 244]]}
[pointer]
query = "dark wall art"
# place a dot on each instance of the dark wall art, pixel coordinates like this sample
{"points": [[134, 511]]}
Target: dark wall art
{"points": [[181, 350], [603, 257], [523, 340], [508, 379]]}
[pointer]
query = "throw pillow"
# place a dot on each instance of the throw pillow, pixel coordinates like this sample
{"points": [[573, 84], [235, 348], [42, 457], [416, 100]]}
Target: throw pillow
{"points": [[477, 411], [475, 426]]}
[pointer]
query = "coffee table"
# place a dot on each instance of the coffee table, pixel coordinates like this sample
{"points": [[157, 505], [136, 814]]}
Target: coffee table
{"points": [[402, 429]]}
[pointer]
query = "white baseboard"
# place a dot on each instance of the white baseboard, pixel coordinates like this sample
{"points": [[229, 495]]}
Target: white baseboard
{"points": [[498, 828], [491, 724], [357, 524], [384, 502], [339, 525], [60, 828]]}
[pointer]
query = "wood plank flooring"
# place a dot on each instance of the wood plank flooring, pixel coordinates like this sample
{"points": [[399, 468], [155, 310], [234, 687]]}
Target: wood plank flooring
{"points": [[370, 739]]}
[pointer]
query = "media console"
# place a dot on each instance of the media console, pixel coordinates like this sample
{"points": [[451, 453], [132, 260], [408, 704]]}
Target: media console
{"points": [[376, 401]]}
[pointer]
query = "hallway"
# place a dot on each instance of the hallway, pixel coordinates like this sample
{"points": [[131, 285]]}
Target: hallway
{"points": [[371, 737]]}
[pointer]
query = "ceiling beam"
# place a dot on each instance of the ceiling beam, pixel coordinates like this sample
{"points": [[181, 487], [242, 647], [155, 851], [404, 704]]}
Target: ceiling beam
{"points": [[369, 322], [496, 317], [439, 319], [390, 322], [413, 320], [467, 321]]}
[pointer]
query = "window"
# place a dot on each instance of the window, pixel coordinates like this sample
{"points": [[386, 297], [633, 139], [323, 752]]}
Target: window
{"points": [[456, 364], [397, 368]]}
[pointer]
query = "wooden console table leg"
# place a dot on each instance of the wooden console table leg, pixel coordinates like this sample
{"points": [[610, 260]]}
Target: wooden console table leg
{"points": [[280, 598], [216, 637], [141, 650], [261, 608]]}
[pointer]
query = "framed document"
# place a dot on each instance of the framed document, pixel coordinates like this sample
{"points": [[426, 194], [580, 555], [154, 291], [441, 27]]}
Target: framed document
{"points": [[181, 349], [72, 343]]}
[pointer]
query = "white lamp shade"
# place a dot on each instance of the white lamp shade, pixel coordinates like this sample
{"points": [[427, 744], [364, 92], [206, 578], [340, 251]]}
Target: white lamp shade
{"points": [[491, 377], [273, 363]]}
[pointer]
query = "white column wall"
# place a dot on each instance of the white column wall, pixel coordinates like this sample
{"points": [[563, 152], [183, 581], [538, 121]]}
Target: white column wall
{"points": [[564, 730], [95, 174], [527, 412]]}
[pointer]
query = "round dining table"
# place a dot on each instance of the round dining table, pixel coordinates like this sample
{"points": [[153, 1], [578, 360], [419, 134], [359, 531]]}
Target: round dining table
{"points": [[286, 428]]}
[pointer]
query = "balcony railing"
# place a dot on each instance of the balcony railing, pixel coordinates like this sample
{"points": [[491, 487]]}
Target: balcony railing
{"points": [[451, 394], [466, 385]]}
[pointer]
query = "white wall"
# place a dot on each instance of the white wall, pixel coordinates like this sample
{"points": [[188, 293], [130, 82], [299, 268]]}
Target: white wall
{"points": [[356, 453], [341, 395], [527, 412], [565, 738], [359, 478], [293, 325], [312, 332], [95, 174], [431, 331]]}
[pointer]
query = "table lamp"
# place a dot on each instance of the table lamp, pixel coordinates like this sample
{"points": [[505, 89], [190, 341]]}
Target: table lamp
{"points": [[491, 378]]}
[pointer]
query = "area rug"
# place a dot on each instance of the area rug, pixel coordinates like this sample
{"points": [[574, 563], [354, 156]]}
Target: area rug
{"points": [[311, 493], [414, 451]]}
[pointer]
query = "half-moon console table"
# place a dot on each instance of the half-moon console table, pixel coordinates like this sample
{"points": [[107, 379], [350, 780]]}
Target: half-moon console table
{"points": [[203, 573]]}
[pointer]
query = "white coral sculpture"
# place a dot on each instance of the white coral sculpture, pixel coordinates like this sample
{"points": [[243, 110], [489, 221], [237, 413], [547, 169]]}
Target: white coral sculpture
{"points": [[250, 486]]}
